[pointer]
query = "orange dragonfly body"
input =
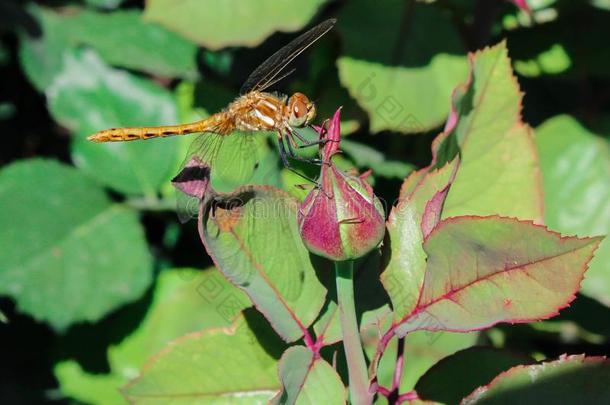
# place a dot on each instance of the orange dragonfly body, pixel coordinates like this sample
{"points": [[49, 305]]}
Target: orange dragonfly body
{"points": [[255, 110]]}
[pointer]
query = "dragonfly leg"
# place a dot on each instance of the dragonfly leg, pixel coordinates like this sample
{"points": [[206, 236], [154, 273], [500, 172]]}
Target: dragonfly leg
{"points": [[282, 149], [294, 156], [284, 156], [292, 145], [304, 142], [313, 143]]}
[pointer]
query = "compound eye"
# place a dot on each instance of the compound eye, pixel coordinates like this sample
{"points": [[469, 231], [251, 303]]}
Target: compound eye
{"points": [[298, 112], [299, 109]]}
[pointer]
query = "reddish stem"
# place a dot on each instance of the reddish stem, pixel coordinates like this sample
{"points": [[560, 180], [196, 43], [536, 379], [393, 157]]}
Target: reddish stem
{"points": [[312, 345], [384, 391], [407, 396], [400, 358]]}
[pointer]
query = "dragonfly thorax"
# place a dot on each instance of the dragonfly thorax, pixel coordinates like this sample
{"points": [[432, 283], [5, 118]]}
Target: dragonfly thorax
{"points": [[260, 111]]}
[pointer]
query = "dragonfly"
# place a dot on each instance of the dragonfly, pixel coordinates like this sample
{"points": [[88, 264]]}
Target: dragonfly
{"points": [[254, 110]]}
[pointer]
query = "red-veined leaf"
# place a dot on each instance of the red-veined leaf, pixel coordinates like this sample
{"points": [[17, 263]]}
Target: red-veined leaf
{"points": [[308, 379], [485, 270], [569, 380]]}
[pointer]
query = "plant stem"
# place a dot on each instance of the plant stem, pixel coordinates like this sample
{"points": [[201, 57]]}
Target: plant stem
{"points": [[358, 376], [400, 359]]}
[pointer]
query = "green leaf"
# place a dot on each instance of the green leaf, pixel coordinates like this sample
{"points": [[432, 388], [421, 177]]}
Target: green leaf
{"points": [[603, 4], [254, 240], [95, 389], [550, 48], [423, 349], [568, 380], [576, 173], [124, 39], [485, 270], [404, 273], [223, 365], [388, 70], [217, 25], [108, 4], [464, 371], [551, 61], [74, 256], [206, 298], [366, 157], [89, 96], [42, 57], [121, 38], [328, 326], [308, 380], [499, 171]]}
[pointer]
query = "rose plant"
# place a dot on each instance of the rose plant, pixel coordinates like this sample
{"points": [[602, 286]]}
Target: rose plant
{"points": [[463, 249]]}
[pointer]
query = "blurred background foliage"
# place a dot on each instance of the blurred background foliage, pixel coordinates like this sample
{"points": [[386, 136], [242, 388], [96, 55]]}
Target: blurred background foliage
{"points": [[97, 274]]}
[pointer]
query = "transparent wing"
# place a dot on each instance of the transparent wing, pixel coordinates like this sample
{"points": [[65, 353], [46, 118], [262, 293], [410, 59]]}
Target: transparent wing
{"points": [[264, 75], [233, 161]]}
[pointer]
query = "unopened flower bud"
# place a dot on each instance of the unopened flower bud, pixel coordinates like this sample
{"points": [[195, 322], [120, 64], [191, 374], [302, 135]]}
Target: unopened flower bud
{"points": [[342, 219]]}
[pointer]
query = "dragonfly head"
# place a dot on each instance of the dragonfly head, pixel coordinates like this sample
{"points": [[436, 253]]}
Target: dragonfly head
{"points": [[301, 110]]}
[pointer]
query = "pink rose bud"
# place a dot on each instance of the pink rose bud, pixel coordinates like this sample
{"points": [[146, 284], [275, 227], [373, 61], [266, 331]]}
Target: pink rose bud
{"points": [[341, 219]]}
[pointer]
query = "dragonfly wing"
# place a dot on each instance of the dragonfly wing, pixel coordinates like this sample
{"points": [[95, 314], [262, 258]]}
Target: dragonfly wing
{"points": [[233, 161], [264, 75], [205, 148]]}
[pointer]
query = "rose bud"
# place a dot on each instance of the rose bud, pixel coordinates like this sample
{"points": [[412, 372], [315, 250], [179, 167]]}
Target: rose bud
{"points": [[341, 219]]}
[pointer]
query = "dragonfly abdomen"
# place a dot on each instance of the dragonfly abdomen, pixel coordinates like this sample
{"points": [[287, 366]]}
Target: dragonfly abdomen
{"points": [[217, 123]]}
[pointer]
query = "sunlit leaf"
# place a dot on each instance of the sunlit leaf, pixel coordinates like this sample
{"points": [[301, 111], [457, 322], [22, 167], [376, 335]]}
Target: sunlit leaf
{"points": [[184, 301], [366, 157], [404, 274], [74, 255], [603, 4], [230, 23], [551, 61], [576, 172], [550, 48], [254, 240], [499, 171], [121, 38], [485, 270], [568, 380], [404, 84], [222, 365], [104, 3], [308, 380], [42, 57], [328, 327], [89, 96]]}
